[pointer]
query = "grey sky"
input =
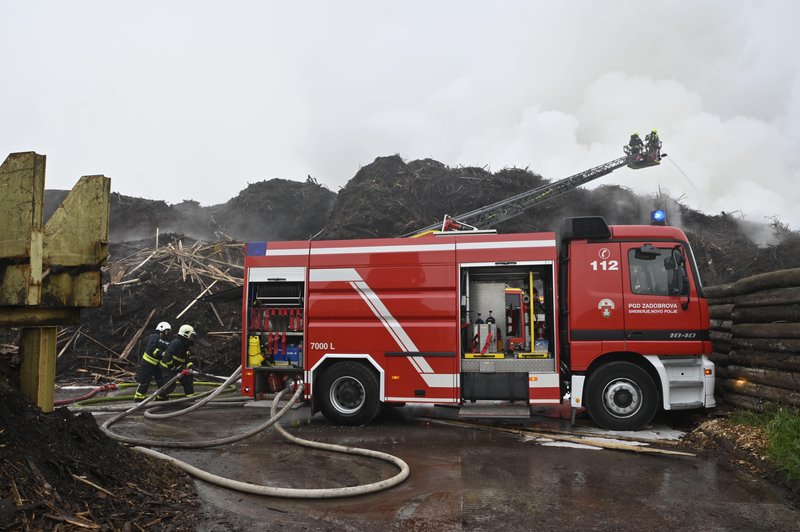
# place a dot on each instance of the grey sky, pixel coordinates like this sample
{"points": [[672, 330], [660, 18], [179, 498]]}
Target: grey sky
{"points": [[195, 99]]}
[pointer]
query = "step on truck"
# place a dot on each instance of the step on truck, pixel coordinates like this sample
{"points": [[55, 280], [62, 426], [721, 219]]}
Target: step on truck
{"points": [[608, 318]]}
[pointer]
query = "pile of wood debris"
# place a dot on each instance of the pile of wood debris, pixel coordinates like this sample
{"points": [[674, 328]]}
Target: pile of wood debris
{"points": [[180, 281]]}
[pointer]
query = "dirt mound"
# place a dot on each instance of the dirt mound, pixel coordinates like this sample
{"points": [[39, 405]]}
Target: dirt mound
{"points": [[277, 209], [390, 198], [59, 469]]}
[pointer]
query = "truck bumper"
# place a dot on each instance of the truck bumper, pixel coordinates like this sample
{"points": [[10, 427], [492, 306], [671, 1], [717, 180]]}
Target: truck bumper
{"points": [[687, 382]]}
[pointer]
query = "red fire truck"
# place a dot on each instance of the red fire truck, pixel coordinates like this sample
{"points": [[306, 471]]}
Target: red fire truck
{"points": [[609, 318]]}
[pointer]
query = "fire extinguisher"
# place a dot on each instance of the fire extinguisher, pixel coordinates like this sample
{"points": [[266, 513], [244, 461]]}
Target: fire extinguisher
{"points": [[274, 382], [540, 331]]}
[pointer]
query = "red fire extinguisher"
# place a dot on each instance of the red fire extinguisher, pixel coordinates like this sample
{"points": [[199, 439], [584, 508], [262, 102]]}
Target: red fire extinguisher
{"points": [[274, 382], [540, 333]]}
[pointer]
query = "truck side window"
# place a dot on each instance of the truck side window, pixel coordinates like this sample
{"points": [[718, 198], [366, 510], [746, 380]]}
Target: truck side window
{"points": [[650, 270]]}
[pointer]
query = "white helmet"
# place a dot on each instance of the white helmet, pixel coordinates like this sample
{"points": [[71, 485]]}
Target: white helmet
{"points": [[187, 331], [163, 326]]}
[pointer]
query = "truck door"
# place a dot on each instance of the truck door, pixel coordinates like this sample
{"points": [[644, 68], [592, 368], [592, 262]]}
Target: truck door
{"points": [[662, 310], [595, 301]]}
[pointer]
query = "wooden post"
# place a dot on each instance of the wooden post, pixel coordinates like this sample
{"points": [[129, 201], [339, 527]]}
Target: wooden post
{"points": [[38, 371]]}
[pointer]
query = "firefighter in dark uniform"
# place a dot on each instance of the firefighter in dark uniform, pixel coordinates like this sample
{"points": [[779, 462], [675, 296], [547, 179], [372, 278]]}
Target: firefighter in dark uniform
{"points": [[635, 143], [150, 364], [177, 357]]}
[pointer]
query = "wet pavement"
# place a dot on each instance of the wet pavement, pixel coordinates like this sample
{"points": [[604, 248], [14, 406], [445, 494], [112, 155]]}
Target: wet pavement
{"points": [[466, 478]]}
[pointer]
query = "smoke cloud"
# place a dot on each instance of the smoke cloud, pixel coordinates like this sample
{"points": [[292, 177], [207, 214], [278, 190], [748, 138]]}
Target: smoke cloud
{"points": [[193, 100]]}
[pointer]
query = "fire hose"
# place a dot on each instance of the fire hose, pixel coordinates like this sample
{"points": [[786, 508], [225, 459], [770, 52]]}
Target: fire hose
{"points": [[275, 416], [90, 394]]}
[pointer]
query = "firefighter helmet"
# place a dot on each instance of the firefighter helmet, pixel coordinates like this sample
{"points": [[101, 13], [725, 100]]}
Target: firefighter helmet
{"points": [[163, 326], [187, 331]]}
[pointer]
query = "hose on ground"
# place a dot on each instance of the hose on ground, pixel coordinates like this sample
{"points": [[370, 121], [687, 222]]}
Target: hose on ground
{"points": [[175, 444], [297, 493], [89, 399], [88, 395], [275, 415]]}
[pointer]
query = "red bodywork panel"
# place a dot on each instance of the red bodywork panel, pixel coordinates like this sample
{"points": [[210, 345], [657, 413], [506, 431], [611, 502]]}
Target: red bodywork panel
{"points": [[393, 302]]}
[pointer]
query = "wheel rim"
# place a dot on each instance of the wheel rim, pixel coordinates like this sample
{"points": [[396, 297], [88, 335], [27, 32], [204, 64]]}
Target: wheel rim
{"points": [[347, 395], [622, 398]]}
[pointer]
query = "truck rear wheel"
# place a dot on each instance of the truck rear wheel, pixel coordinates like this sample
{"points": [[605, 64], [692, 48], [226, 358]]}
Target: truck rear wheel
{"points": [[621, 396], [349, 394]]}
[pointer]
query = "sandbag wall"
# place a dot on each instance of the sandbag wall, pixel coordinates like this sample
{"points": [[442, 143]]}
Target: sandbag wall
{"points": [[755, 331]]}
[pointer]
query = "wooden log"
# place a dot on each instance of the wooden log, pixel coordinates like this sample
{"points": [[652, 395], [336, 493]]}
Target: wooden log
{"points": [[721, 325], [136, 336], [722, 312], [719, 359], [765, 281], [720, 346], [71, 339], [719, 336], [749, 403], [721, 290], [766, 314], [770, 393], [195, 301], [766, 330], [766, 298], [721, 300], [765, 359], [776, 345], [98, 342], [770, 377], [140, 265]]}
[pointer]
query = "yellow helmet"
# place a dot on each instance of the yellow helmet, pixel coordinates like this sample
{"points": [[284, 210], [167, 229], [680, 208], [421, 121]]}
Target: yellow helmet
{"points": [[654, 131], [635, 134]]}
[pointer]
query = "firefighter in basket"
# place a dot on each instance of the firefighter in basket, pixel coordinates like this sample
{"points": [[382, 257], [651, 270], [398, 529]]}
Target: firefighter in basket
{"points": [[635, 144], [150, 364], [177, 358], [653, 144]]}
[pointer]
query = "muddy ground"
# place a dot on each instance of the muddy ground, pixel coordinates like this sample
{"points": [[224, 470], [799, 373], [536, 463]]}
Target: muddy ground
{"points": [[510, 475]]}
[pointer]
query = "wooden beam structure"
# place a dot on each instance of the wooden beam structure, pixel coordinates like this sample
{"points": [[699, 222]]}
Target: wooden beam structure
{"points": [[48, 271]]}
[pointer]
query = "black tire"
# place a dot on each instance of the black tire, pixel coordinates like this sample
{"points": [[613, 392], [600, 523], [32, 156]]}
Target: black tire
{"points": [[348, 393], [621, 396]]}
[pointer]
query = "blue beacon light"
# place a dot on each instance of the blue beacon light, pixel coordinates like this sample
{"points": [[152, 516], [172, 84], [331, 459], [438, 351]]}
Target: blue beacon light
{"points": [[658, 217]]}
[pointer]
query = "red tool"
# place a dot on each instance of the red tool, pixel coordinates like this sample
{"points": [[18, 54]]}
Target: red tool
{"points": [[255, 318]]}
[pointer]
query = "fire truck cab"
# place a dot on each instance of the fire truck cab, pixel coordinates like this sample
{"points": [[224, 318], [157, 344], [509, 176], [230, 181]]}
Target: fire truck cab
{"points": [[607, 318]]}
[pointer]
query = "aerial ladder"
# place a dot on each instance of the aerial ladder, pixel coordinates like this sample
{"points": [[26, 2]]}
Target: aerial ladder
{"points": [[637, 155]]}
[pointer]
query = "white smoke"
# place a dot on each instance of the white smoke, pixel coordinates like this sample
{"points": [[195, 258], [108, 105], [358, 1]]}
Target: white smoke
{"points": [[193, 99]]}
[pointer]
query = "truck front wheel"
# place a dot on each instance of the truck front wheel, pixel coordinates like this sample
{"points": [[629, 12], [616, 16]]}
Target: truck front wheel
{"points": [[621, 396], [349, 394]]}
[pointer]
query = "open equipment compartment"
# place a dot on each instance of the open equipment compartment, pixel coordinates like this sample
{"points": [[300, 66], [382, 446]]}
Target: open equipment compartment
{"points": [[275, 325], [508, 329]]}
